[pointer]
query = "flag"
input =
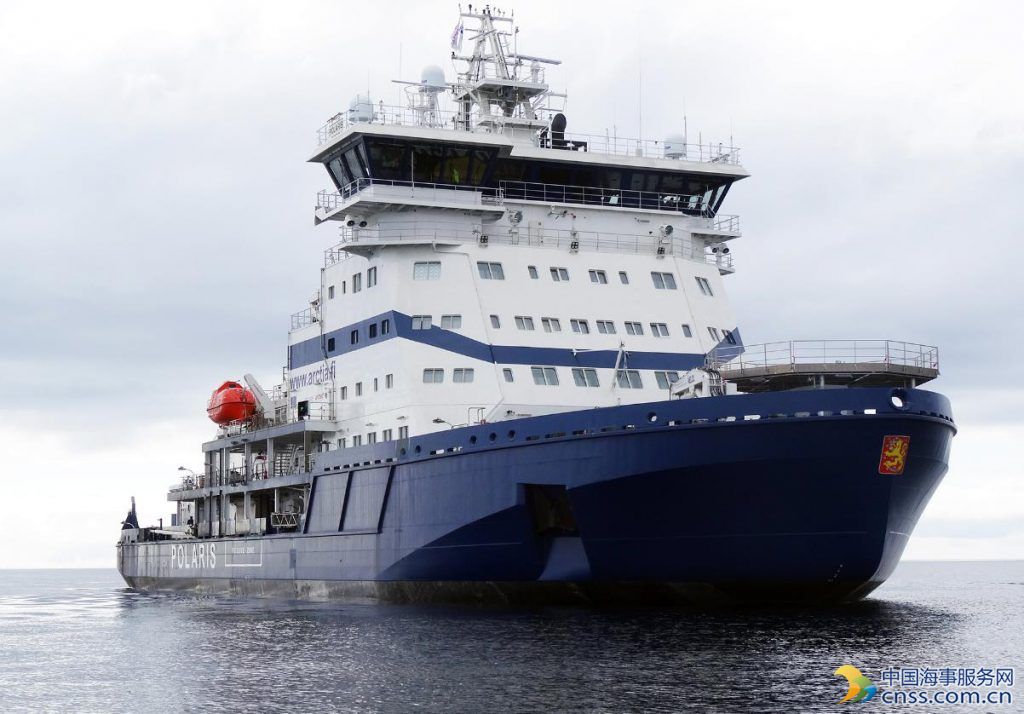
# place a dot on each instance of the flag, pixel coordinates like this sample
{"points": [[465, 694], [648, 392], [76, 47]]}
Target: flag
{"points": [[457, 36]]}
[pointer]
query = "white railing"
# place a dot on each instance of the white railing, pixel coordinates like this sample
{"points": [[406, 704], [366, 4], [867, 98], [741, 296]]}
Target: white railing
{"points": [[807, 352], [446, 193], [607, 143], [678, 244], [302, 318]]}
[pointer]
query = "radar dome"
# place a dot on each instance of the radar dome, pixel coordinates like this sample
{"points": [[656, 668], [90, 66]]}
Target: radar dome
{"points": [[432, 77], [361, 108], [675, 146]]}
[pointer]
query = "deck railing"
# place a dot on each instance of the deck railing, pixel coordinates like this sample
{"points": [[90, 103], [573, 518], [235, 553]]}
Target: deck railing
{"points": [[447, 193], [839, 352]]}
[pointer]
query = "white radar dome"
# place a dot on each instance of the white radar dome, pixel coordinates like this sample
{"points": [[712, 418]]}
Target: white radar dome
{"points": [[675, 146], [432, 77], [361, 108]]}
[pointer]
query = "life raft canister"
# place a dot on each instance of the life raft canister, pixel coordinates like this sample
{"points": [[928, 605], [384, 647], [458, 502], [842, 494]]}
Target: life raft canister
{"points": [[231, 402]]}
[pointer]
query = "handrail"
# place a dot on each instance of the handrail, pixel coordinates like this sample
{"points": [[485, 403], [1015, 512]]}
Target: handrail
{"points": [[595, 196], [794, 353], [477, 195]]}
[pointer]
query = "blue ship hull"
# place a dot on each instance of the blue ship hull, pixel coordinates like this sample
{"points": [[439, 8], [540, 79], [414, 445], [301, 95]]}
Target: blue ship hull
{"points": [[680, 500]]}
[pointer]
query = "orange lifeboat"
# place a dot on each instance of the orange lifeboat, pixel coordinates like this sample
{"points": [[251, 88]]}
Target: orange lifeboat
{"points": [[231, 402]]}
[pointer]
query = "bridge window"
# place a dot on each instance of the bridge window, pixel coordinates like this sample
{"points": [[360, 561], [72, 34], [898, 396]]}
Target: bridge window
{"points": [[629, 379], [451, 322], [659, 329], [524, 323], [729, 336], [462, 375], [421, 322], [433, 376], [599, 276], [495, 322], [687, 332], [705, 286], [606, 327], [714, 334], [580, 326], [547, 376], [664, 281], [551, 324], [560, 275], [507, 373], [666, 379], [430, 270], [585, 377], [532, 270], [491, 271], [634, 328]]}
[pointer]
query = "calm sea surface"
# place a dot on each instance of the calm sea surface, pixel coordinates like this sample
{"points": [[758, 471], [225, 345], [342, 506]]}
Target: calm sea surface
{"points": [[78, 640]]}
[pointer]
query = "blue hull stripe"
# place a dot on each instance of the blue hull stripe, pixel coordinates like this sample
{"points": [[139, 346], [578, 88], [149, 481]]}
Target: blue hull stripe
{"points": [[313, 350]]}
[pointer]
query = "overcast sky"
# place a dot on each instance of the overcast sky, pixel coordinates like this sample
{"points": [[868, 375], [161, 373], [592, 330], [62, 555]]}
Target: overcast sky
{"points": [[156, 211]]}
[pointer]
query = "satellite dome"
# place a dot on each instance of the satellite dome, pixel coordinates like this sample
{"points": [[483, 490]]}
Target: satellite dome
{"points": [[675, 146], [432, 77], [361, 108]]}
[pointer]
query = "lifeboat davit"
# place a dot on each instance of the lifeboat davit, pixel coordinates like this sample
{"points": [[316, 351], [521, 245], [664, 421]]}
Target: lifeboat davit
{"points": [[231, 402]]}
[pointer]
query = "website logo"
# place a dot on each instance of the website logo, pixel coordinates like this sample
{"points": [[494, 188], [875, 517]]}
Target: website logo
{"points": [[861, 689]]}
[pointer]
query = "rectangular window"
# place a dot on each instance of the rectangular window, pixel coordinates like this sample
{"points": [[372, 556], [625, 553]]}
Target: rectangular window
{"points": [[357, 440], [495, 322], [584, 377], [659, 329], [371, 438], [344, 287], [532, 270], [551, 324], [386, 435], [330, 292], [342, 443], [545, 376], [714, 334], [330, 344], [372, 330], [428, 270], [421, 322], [580, 326], [385, 326], [560, 275], [634, 328], [665, 379], [598, 276], [687, 332], [359, 389], [490, 271], [353, 337], [729, 336], [606, 327], [403, 432], [508, 374], [357, 282], [344, 393], [376, 384], [389, 381], [705, 286], [629, 379], [371, 277], [462, 375], [451, 322], [664, 281], [433, 376], [623, 277], [524, 323]]}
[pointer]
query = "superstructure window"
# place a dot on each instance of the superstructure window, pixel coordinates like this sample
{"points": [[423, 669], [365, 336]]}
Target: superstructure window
{"points": [[687, 332], [729, 336], [532, 270], [357, 282], [634, 328], [330, 292], [507, 373], [433, 376], [599, 276], [659, 329], [389, 381], [584, 377], [359, 389], [357, 440], [385, 326], [462, 375], [713, 331], [495, 322], [386, 435], [580, 326], [403, 432], [560, 275], [524, 323], [428, 270], [606, 327], [372, 329], [451, 322], [629, 379], [623, 277], [491, 271], [664, 281], [376, 384], [371, 438], [330, 344], [551, 324], [421, 322], [371, 277], [666, 379], [344, 393], [545, 376], [705, 286], [353, 337]]}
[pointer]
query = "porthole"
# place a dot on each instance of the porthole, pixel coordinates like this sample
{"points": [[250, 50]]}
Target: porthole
{"points": [[493, 436], [512, 434], [418, 448], [472, 440], [898, 399], [652, 417]]}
